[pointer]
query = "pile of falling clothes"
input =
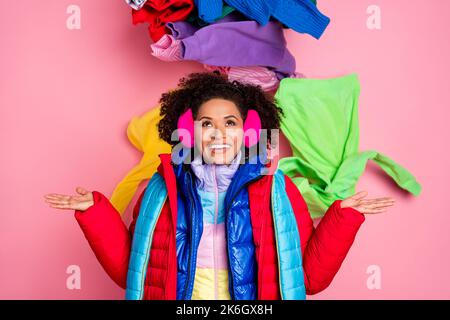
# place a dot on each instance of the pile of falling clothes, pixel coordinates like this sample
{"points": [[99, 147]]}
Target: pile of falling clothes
{"points": [[245, 40]]}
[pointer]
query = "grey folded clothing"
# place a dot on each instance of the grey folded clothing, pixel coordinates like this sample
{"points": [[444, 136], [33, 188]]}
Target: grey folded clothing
{"points": [[136, 4]]}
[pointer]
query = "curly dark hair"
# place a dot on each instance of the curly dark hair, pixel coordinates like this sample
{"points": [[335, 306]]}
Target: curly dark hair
{"points": [[198, 88]]}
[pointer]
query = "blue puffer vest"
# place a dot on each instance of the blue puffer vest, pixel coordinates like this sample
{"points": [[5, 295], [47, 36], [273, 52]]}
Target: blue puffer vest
{"points": [[242, 266], [241, 250]]}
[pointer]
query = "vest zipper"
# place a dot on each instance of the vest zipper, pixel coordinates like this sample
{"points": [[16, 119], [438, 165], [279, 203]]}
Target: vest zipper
{"points": [[190, 250], [226, 231], [215, 231]]}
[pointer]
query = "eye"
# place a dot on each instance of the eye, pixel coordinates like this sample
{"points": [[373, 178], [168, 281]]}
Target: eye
{"points": [[230, 123], [206, 124]]}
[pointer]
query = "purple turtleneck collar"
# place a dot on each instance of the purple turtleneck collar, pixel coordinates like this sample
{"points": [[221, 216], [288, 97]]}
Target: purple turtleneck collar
{"points": [[210, 176]]}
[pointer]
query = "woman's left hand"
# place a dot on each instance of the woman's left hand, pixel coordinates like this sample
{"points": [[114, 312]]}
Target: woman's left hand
{"points": [[367, 206]]}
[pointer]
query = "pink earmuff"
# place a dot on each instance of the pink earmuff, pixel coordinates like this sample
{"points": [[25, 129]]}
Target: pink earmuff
{"points": [[186, 128], [252, 123]]}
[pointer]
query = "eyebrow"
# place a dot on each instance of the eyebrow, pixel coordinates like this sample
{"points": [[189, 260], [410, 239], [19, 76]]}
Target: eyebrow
{"points": [[226, 117]]}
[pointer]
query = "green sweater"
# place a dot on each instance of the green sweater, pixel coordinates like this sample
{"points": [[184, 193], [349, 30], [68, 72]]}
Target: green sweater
{"points": [[321, 123]]}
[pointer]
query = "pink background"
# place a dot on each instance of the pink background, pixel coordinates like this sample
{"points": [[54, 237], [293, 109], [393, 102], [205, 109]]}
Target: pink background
{"points": [[66, 97]]}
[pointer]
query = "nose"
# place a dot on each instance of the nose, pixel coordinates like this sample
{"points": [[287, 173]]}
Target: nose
{"points": [[218, 133]]}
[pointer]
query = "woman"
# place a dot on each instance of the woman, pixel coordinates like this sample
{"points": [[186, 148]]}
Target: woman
{"points": [[215, 223]]}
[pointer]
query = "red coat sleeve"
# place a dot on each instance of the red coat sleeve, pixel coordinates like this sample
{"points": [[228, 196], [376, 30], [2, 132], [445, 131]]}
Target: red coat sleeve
{"points": [[108, 236], [323, 248]]}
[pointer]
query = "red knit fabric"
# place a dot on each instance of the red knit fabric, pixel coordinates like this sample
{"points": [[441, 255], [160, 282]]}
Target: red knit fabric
{"points": [[158, 12]]}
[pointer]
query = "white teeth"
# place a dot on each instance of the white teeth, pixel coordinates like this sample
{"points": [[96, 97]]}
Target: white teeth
{"points": [[219, 146]]}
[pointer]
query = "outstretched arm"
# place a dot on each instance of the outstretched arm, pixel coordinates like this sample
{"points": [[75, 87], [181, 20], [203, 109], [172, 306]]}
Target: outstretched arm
{"points": [[324, 248], [108, 236]]}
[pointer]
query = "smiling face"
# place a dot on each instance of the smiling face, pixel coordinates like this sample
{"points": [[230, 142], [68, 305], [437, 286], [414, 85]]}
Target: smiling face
{"points": [[221, 134]]}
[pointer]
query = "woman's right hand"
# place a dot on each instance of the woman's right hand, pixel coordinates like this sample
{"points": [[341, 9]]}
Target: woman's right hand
{"points": [[82, 202]]}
